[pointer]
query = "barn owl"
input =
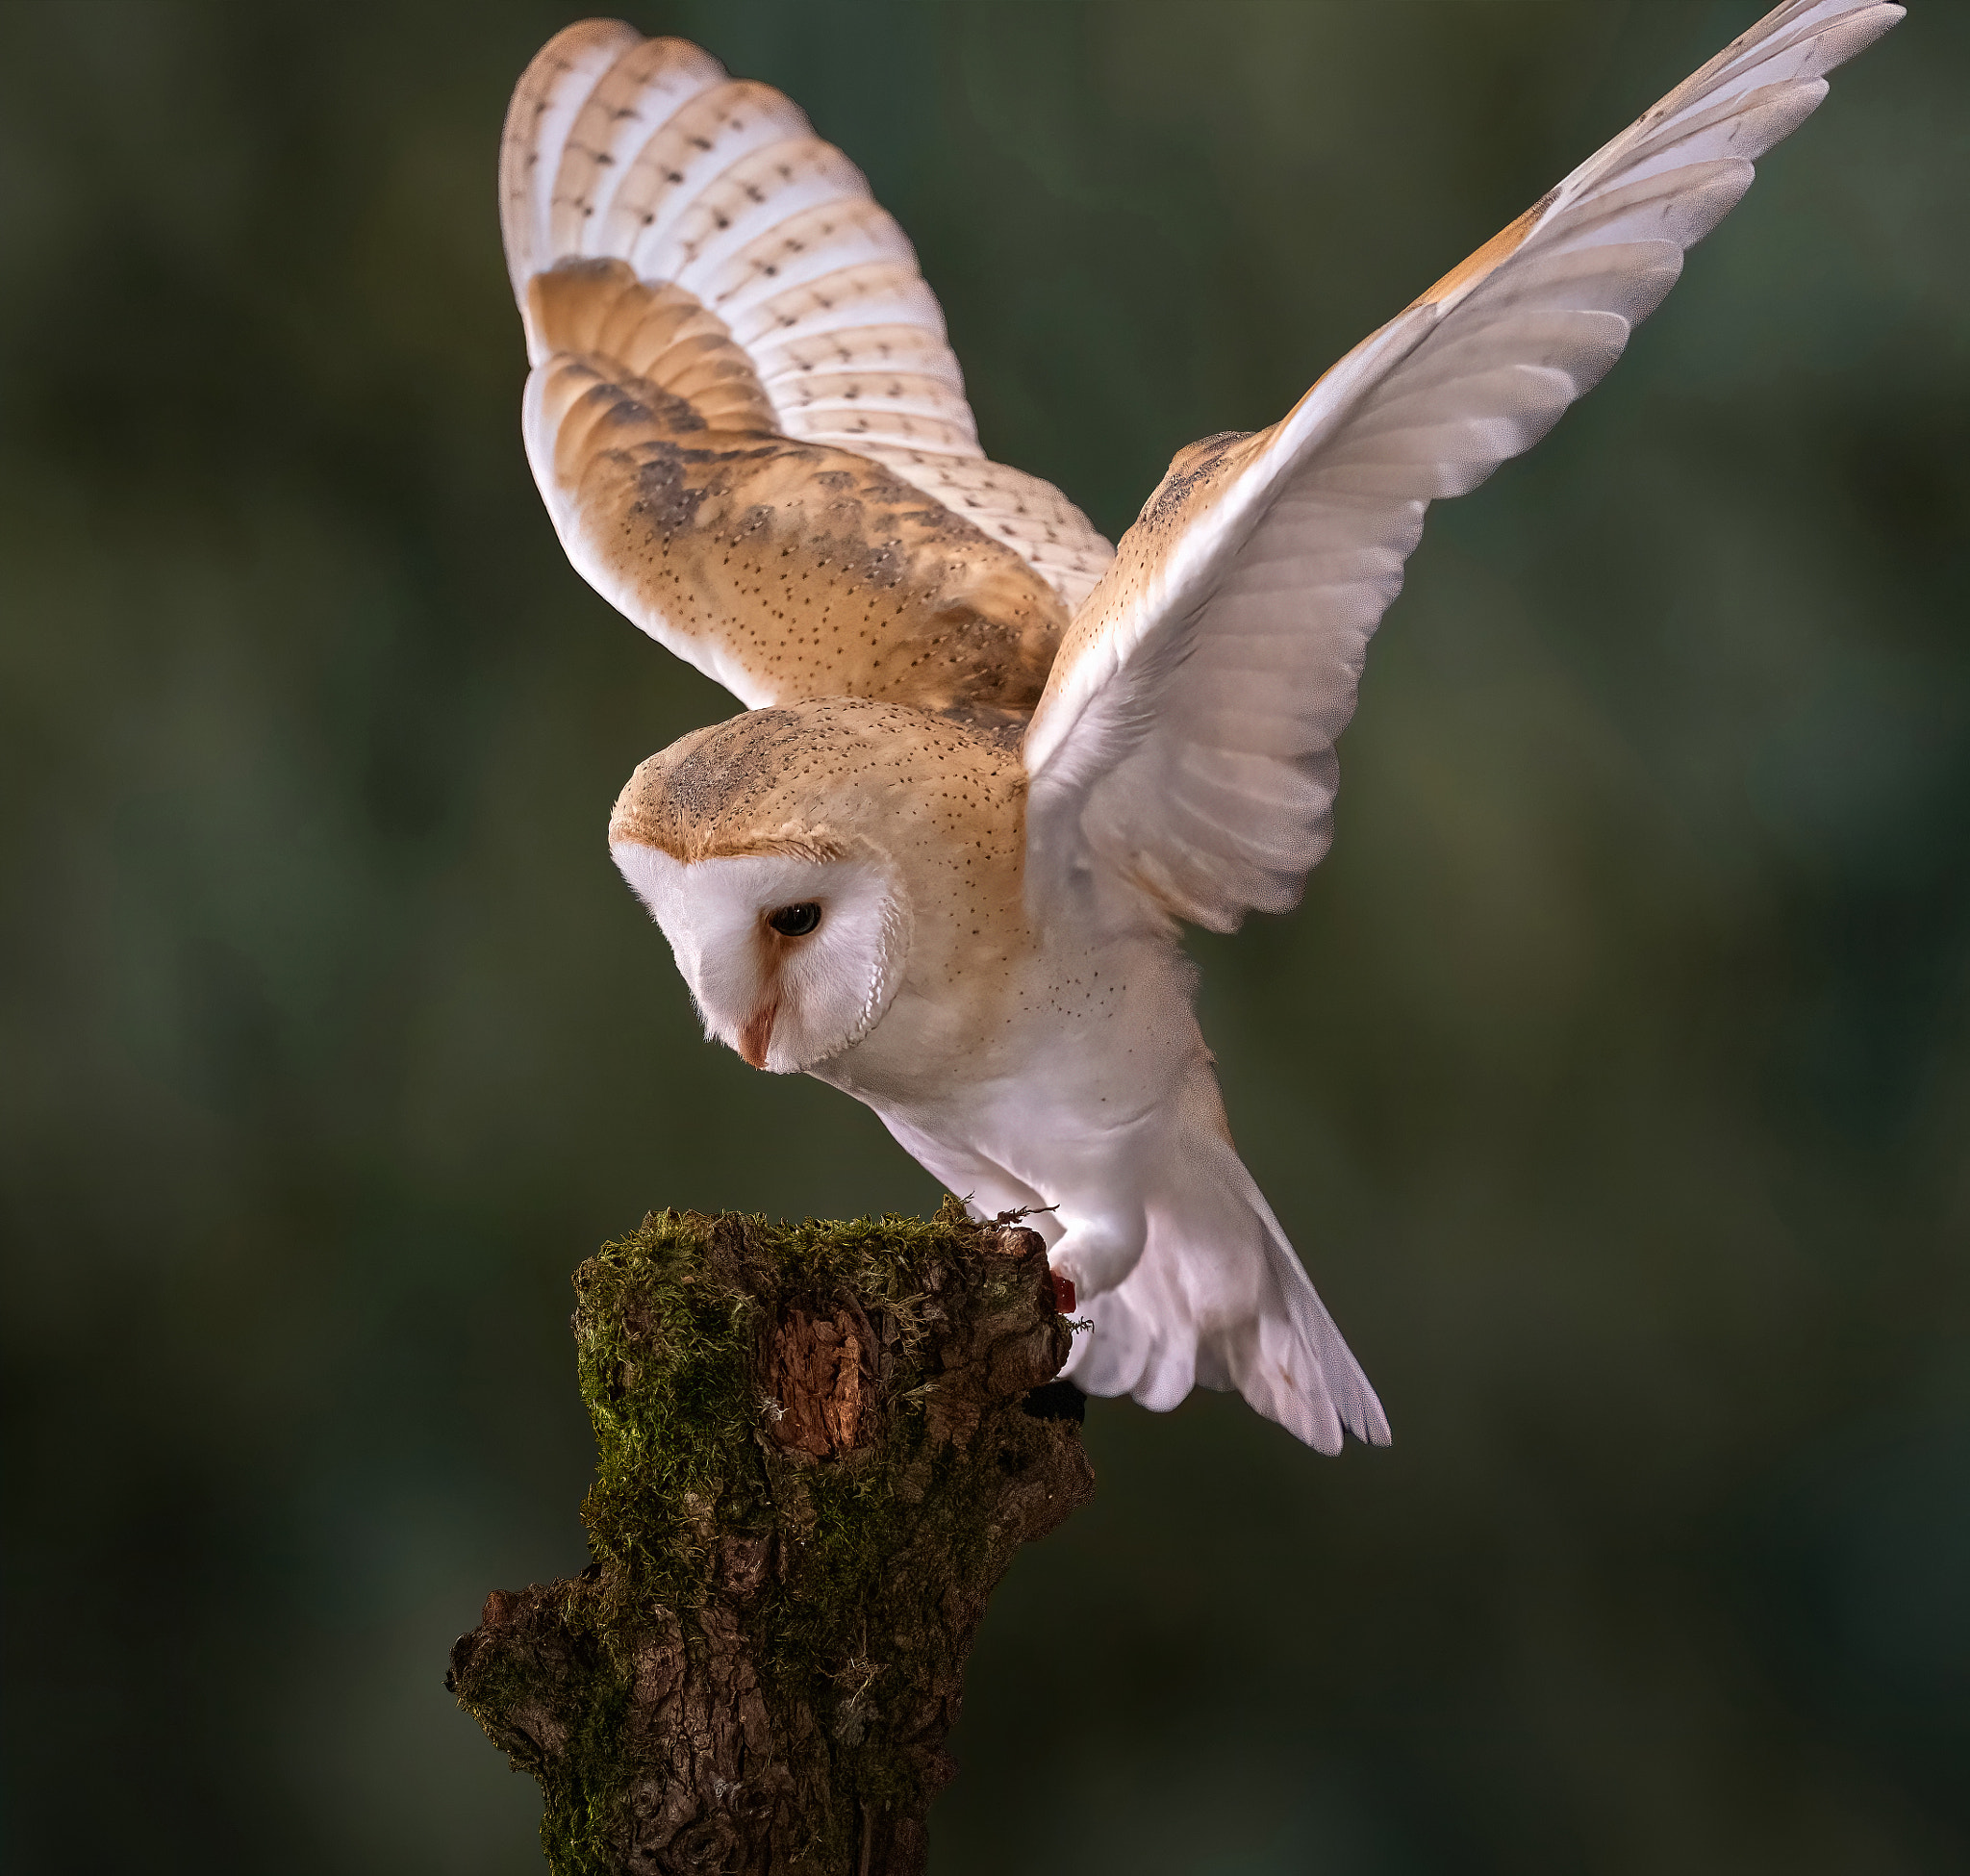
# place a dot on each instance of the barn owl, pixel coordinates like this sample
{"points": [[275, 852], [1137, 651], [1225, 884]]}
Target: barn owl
{"points": [[987, 764]]}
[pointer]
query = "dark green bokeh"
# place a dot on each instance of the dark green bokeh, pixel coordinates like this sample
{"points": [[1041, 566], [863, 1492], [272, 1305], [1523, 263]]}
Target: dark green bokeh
{"points": [[1613, 1078]]}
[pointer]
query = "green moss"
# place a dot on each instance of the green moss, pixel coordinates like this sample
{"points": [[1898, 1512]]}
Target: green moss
{"points": [[670, 1369]]}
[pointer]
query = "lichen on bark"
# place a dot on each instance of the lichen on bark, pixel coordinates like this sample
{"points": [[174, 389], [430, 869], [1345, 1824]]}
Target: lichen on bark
{"points": [[819, 1447]]}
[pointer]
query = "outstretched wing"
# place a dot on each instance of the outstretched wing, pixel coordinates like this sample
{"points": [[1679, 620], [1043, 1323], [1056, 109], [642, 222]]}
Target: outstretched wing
{"points": [[743, 414], [1185, 740]]}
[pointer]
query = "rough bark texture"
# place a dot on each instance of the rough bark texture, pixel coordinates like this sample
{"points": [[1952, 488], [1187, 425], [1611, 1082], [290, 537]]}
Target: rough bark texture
{"points": [[819, 1448]]}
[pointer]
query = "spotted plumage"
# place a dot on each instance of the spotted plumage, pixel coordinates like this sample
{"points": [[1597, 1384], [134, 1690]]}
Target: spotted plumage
{"points": [[988, 762]]}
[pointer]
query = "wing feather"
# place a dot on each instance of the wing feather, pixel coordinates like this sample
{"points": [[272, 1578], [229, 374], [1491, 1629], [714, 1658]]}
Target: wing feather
{"points": [[645, 153], [1185, 739]]}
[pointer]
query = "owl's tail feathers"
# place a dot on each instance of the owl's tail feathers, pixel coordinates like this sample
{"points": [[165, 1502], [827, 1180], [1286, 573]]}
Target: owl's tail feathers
{"points": [[1219, 1300], [1296, 1368]]}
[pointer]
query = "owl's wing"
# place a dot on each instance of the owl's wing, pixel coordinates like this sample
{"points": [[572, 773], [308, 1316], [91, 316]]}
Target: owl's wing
{"points": [[743, 414], [1185, 741]]}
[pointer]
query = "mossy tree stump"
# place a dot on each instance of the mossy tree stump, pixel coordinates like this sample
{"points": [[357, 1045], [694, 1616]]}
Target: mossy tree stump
{"points": [[819, 1448]]}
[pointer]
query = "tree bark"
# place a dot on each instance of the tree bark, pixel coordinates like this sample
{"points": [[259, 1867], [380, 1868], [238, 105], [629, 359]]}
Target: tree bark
{"points": [[819, 1448]]}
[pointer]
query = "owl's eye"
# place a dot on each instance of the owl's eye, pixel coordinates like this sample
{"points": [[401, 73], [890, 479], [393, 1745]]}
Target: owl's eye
{"points": [[795, 921]]}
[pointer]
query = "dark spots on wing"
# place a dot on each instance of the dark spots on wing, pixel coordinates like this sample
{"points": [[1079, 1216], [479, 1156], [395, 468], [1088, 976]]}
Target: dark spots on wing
{"points": [[1191, 467], [663, 499], [648, 404]]}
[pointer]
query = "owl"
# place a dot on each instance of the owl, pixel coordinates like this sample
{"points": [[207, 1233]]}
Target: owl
{"points": [[987, 764]]}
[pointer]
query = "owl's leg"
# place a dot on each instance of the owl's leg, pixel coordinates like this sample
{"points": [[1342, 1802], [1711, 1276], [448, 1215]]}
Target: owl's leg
{"points": [[1095, 1254]]}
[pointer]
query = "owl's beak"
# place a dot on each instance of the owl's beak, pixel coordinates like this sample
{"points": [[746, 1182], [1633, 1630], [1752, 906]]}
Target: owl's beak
{"points": [[756, 1037]]}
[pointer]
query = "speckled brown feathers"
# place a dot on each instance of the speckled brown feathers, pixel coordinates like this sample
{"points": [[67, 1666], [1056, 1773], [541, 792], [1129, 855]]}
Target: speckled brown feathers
{"points": [[785, 570], [811, 778]]}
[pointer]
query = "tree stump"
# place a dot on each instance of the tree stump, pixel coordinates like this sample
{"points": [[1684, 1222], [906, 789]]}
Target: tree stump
{"points": [[819, 1448]]}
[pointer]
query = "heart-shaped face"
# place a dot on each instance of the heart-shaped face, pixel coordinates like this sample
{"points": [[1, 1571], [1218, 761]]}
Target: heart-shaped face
{"points": [[791, 960]]}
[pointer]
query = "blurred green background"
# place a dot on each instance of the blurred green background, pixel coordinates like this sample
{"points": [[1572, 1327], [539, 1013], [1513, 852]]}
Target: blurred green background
{"points": [[1613, 1078]]}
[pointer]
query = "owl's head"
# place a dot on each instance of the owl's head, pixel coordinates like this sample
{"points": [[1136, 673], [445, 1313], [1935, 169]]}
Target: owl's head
{"points": [[795, 858]]}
